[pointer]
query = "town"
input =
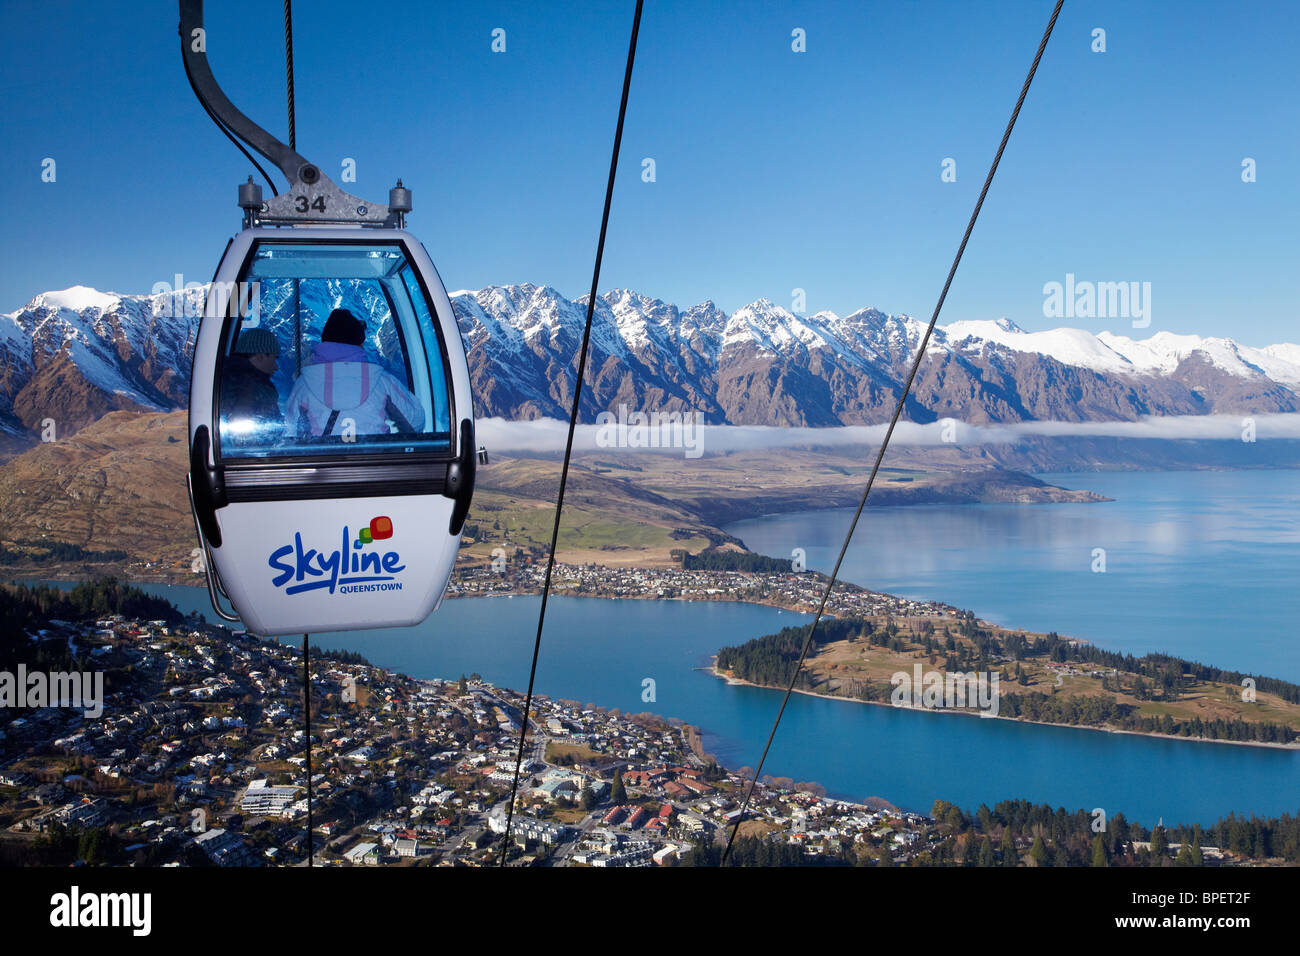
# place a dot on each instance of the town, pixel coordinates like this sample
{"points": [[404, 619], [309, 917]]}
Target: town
{"points": [[201, 758], [792, 591]]}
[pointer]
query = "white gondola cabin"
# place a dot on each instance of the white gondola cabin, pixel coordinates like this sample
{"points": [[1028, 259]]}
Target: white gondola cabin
{"points": [[331, 430]]}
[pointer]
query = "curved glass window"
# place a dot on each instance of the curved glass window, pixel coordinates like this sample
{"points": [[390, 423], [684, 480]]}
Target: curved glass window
{"points": [[330, 348]]}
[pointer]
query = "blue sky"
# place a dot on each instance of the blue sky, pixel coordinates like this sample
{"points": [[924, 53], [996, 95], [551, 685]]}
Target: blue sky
{"points": [[775, 169]]}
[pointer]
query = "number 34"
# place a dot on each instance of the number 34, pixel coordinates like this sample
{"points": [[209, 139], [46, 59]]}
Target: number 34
{"points": [[304, 204]]}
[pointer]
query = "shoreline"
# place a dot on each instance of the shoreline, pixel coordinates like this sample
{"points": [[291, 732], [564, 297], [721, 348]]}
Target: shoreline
{"points": [[732, 680], [712, 667], [175, 579]]}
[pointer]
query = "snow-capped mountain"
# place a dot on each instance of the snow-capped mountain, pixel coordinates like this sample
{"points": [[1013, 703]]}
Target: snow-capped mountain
{"points": [[73, 355], [764, 365]]}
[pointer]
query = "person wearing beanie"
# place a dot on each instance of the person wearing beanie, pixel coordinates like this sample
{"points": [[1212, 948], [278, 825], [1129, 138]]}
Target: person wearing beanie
{"points": [[250, 402], [344, 328], [341, 389]]}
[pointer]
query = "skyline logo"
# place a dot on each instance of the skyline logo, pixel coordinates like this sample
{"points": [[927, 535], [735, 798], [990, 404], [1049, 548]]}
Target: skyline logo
{"points": [[351, 568]]}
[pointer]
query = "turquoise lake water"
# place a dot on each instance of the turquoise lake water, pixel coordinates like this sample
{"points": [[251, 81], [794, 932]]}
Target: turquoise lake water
{"points": [[1199, 564]]}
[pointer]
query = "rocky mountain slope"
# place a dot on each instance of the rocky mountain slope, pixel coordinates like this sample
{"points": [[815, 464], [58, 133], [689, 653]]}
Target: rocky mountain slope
{"points": [[70, 356]]}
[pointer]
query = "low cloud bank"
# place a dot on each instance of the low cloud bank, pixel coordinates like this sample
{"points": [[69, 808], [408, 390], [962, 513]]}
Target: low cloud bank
{"points": [[548, 434]]}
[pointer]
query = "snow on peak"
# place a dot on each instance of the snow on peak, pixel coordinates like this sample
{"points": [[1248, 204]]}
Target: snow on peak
{"points": [[642, 322], [76, 299], [1067, 346], [1279, 362], [870, 336], [526, 315], [1164, 351], [773, 328]]}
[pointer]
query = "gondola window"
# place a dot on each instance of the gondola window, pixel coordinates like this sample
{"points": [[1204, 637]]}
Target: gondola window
{"points": [[331, 348]]}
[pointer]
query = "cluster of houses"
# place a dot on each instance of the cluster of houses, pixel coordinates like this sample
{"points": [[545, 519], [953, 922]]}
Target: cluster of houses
{"points": [[799, 591], [402, 772]]}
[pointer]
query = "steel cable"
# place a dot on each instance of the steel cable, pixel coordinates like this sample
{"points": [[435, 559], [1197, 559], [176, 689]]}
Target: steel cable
{"points": [[898, 410], [573, 421]]}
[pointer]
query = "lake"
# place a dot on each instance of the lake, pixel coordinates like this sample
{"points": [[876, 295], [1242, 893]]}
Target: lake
{"points": [[1200, 564]]}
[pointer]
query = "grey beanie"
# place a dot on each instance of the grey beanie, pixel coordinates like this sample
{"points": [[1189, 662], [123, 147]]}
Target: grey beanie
{"points": [[257, 342]]}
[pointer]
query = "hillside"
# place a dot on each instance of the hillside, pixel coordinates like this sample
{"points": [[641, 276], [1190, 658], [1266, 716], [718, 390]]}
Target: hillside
{"points": [[1042, 677], [119, 484]]}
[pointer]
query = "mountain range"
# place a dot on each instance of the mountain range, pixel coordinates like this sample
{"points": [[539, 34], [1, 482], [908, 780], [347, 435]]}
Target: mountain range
{"points": [[73, 355]]}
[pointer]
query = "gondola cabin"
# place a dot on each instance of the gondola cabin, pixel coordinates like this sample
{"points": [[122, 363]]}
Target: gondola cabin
{"points": [[331, 430]]}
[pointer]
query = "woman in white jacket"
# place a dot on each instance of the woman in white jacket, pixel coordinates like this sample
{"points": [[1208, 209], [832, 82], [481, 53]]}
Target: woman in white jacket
{"points": [[342, 388]]}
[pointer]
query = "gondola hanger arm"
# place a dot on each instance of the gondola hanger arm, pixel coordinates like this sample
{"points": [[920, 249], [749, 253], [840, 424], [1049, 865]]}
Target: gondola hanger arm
{"points": [[311, 197]]}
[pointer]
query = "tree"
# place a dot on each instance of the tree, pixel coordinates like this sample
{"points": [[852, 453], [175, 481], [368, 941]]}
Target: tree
{"points": [[1099, 852], [462, 685], [617, 792], [986, 852], [1039, 851], [1159, 846], [1009, 855]]}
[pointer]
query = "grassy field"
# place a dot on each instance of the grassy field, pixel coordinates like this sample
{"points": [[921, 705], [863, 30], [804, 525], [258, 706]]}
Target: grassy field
{"points": [[557, 752], [617, 534], [569, 815]]}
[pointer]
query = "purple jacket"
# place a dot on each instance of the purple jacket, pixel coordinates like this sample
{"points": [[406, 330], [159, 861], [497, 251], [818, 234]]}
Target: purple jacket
{"points": [[342, 377]]}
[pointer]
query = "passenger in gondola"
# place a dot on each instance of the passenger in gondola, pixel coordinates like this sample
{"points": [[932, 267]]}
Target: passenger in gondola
{"points": [[343, 389], [250, 402]]}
